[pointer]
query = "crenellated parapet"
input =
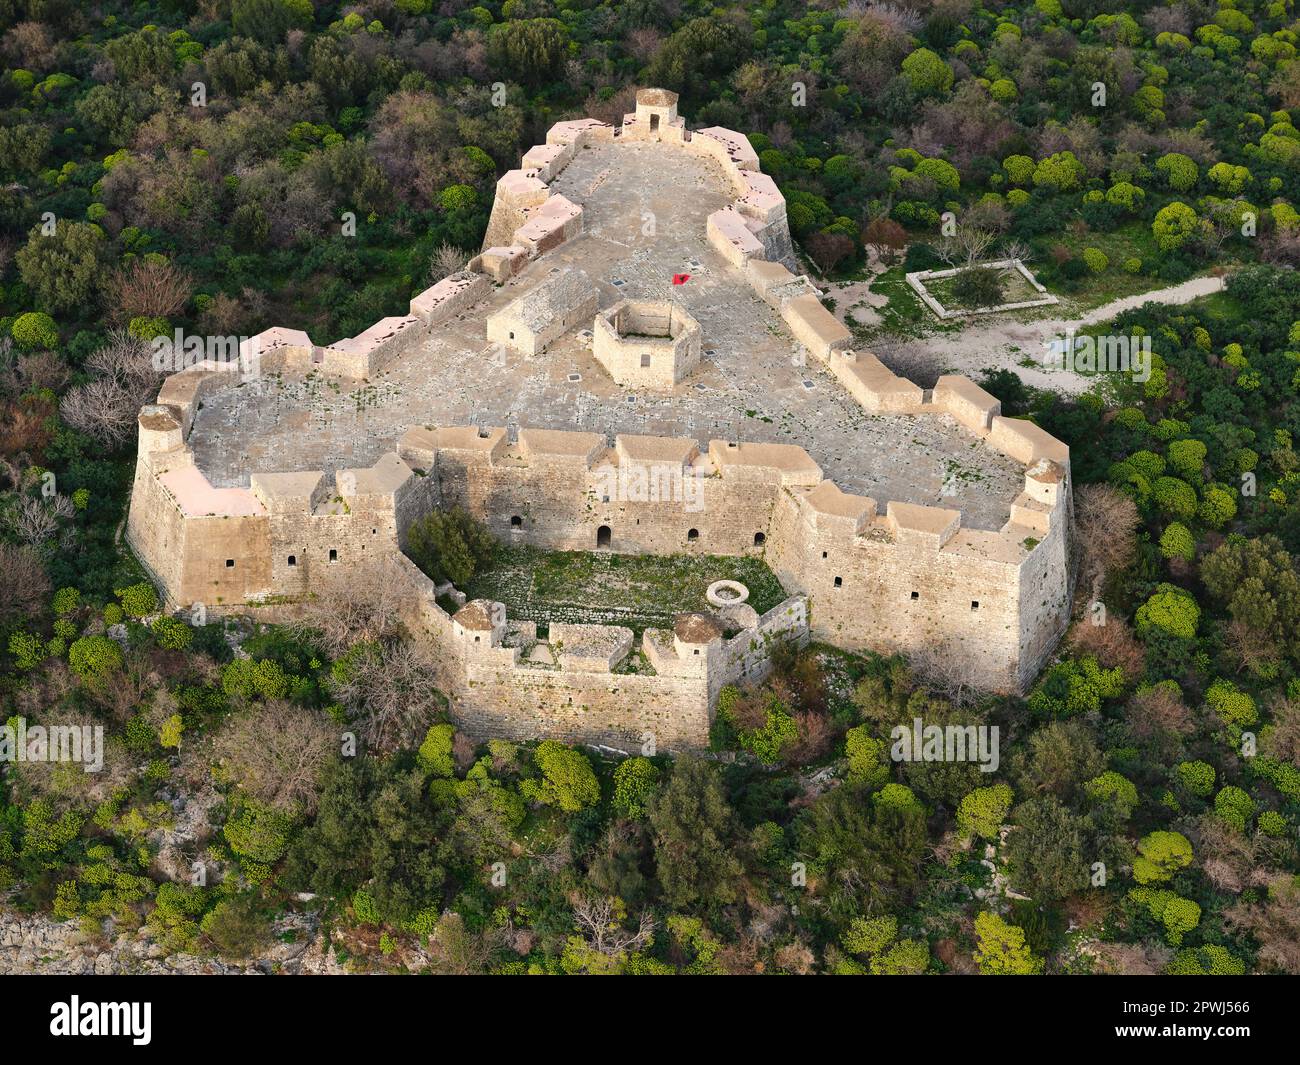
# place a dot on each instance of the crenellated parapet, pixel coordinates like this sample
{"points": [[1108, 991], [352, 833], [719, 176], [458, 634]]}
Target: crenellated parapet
{"points": [[886, 574]]}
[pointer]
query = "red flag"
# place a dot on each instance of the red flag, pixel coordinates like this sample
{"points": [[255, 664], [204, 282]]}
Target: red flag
{"points": [[681, 279]]}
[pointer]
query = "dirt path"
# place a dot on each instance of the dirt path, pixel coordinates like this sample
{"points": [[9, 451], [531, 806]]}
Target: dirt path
{"points": [[1004, 343]]}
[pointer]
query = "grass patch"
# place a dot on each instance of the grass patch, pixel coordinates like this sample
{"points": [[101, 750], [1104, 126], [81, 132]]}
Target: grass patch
{"points": [[598, 587], [1015, 289], [1130, 241]]}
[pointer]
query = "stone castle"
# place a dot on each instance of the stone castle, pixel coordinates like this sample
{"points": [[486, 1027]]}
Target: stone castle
{"points": [[945, 526]]}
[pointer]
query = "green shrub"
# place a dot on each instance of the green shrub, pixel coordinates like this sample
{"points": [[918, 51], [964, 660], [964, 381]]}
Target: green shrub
{"points": [[138, 600], [635, 782], [258, 833], [95, 658], [1187, 457], [1095, 260], [1175, 497], [245, 678], [171, 634], [1234, 706], [1210, 960], [1112, 787], [1196, 777], [567, 780], [434, 755], [1177, 541], [866, 756], [1171, 610], [66, 600], [1160, 855], [35, 329], [1234, 807], [1273, 824], [982, 811]]}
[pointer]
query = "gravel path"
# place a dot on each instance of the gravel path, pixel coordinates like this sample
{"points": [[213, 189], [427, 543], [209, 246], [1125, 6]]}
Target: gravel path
{"points": [[1004, 343]]}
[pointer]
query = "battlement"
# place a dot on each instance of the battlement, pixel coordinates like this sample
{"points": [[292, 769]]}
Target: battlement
{"points": [[958, 544]]}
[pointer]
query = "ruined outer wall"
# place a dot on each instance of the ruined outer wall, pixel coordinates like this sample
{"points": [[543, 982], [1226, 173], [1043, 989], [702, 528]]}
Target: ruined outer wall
{"points": [[610, 709], [494, 692]]}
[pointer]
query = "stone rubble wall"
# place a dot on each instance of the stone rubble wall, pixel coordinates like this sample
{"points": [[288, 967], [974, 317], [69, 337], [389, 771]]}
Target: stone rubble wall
{"points": [[497, 691]]}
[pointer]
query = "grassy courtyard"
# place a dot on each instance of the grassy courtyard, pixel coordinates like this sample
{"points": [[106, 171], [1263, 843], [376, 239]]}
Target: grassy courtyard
{"points": [[597, 587]]}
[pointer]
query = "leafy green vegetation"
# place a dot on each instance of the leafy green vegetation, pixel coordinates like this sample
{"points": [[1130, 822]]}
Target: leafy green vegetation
{"points": [[598, 587], [334, 163]]}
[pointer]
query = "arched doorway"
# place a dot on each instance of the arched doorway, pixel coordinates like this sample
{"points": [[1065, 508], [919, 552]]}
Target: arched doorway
{"points": [[602, 536]]}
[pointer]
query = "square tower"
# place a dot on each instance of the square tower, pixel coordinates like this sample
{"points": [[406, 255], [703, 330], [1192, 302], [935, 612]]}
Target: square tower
{"points": [[656, 111]]}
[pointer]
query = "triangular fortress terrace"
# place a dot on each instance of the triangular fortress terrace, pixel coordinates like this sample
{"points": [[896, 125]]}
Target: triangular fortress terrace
{"points": [[569, 394]]}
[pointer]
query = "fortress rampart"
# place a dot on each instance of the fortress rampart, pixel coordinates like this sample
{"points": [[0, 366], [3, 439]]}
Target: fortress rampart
{"points": [[899, 577]]}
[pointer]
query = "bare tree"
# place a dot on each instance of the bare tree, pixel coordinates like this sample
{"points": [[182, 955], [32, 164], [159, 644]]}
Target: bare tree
{"points": [[965, 246], [349, 607], [27, 588], [599, 921], [150, 288], [103, 410], [1159, 719], [275, 752], [392, 690], [1112, 644], [1274, 921], [1015, 248], [1253, 654], [947, 671], [106, 408], [447, 260], [1105, 525], [35, 519]]}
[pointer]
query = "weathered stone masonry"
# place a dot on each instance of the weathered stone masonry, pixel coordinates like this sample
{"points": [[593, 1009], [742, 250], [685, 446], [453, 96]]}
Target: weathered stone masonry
{"points": [[901, 577]]}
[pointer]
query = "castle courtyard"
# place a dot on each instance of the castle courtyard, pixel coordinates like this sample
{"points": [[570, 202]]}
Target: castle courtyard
{"points": [[644, 218]]}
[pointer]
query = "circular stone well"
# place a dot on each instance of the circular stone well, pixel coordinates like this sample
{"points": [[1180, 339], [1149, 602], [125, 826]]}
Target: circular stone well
{"points": [[726, 593]]}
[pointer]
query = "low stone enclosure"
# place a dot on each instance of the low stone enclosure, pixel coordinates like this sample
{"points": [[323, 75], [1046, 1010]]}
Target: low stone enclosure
{"points": [[916, 281], [649, 344], [894, 577]]}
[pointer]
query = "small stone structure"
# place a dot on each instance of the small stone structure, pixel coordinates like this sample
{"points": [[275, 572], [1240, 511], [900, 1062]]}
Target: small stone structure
{"points": [[889, 575], [548, 311], [650, 344], [916, 281]]}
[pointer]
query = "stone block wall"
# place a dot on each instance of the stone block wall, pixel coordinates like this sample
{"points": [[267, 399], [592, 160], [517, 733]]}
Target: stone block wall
{"points": [[646, 343], [906, 579]]}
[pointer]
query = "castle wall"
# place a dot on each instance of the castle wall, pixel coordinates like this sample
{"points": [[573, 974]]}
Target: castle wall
{"points": [[868, 592], [614, 710], [908, 579], [649, 507]]}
